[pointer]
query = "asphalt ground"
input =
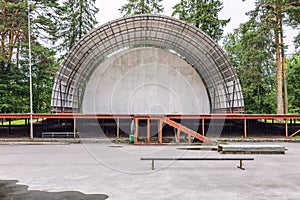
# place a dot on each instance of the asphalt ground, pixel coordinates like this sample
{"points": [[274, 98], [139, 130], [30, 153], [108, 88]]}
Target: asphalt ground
{"points": [[115, 171]]}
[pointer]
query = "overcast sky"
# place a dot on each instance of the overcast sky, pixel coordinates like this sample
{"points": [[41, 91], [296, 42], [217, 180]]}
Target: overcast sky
{"points": [[233, 9]]}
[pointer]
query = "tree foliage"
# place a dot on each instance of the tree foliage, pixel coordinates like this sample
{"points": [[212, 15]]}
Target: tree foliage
{"points": [[293, 80], [272, 14], [250, 49], [75, 19], [14, 67], [13, 23], [52, 25], [203, 14], [134, 7]]}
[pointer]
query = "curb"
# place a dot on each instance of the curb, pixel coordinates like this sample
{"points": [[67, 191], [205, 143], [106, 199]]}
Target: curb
{"points": [[64, 141], [292, 140], [32, 143]]}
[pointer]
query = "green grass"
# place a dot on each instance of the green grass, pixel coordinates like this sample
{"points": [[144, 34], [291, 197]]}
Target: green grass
{"points": [[223, 142], [277, 121], [17, 122]]}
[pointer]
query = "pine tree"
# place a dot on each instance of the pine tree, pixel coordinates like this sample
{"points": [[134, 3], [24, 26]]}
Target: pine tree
{"points": [[273, 14], [134, 7], [75, 19], [293, 80], [250, 49], [203, 14], [13, 22], [14, 67]]}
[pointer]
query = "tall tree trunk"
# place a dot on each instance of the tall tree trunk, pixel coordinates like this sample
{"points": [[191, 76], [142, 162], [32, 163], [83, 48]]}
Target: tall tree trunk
{"points": [[143, 7], [286, 102], [3, 44], [80, 34], [278, 63], [3, 33], [13, 35], [18, 54], [10, 44]]}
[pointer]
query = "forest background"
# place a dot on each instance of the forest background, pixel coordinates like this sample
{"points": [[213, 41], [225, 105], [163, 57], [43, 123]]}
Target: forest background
{"points": [[257, 48]]}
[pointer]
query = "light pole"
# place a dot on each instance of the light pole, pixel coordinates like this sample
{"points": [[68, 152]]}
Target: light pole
{"points": [[30, 72]]}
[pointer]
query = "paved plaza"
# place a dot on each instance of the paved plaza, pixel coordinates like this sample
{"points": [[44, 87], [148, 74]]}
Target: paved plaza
{"points": [[115, 171]]}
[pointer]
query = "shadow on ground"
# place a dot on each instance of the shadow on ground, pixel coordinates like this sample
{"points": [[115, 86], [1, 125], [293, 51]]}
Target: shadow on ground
{"points": [[10, 190]]}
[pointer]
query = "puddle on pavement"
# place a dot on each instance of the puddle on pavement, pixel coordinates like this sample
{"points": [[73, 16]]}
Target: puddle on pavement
{"points": [[9, 189]]}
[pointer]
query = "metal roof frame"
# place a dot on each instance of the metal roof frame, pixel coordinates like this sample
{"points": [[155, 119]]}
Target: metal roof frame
{"points": [[192, 44]]}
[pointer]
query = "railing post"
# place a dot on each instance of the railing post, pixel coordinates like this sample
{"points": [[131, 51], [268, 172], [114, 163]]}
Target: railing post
{"points": [[75, 127], [148, 131], [136, 133], [178, 136], [245, 128], [203, 126], [286, 129], [118, 129], [160, 131]]}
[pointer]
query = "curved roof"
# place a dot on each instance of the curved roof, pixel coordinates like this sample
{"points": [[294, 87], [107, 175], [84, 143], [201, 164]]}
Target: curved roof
{"points": [[192, 44]]}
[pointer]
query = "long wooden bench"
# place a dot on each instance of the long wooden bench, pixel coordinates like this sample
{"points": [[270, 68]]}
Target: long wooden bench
{"points": [[199, 159]]}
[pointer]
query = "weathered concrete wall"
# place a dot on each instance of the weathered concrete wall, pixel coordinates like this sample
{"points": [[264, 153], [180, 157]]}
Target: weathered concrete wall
{"points": [[145, 81]]}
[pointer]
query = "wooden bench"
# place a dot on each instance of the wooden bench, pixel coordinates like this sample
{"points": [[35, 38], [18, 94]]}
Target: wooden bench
{"points": [[59, 135], [198, 159]]}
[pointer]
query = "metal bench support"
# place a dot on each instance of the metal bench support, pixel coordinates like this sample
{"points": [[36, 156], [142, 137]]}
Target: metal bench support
{"points": [[207, 159]]}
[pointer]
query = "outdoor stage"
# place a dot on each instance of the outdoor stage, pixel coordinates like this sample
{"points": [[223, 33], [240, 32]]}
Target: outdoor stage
{"points": [[194, 126]]}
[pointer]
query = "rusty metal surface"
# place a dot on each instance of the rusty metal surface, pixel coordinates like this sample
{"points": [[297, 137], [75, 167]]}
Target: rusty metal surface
{"points": [[99, 116]]}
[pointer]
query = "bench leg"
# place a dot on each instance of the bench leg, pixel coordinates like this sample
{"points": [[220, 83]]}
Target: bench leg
{"points": [[241, 165], [152, 165]]}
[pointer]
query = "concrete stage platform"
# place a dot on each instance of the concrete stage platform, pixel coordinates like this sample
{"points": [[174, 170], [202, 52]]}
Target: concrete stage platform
{"points": [[251, 149]]}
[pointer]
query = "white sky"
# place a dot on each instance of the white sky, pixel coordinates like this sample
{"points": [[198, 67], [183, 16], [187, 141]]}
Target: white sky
{"points": [[233, 9]]}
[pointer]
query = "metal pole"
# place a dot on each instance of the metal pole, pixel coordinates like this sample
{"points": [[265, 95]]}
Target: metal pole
{"points": [[148, 131], [286, 129], [178, 136], [160, 131], [118, 129], [136, 133], [75, 127], [245, 128], [30, 71], [203, 126]]}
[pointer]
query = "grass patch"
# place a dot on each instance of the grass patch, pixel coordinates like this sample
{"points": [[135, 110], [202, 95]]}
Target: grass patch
{"points": [[223, 142], [282, 121], [19, 122], [118, 141]]}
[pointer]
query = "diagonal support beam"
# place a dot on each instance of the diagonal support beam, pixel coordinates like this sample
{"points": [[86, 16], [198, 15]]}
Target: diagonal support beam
{"points": [[294, 134], [186, 130]]}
